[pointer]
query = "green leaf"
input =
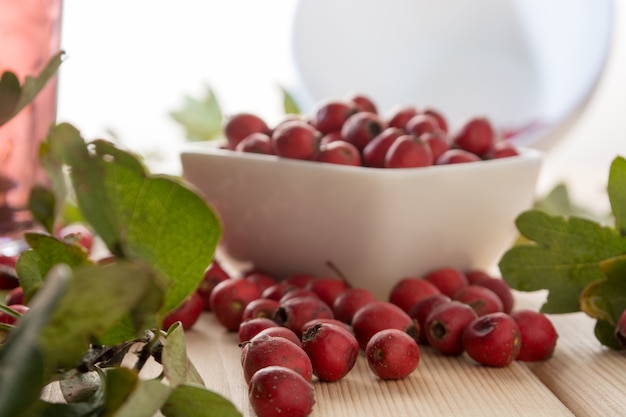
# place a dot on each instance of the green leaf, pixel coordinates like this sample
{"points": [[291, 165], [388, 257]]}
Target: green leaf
{"points": [[144, 400], [605, 333], [13, 97], [25, 364], [177, 367], [151, 217], [617, 193], [120, 383], [563, 257], [190, 400], [10, 91], [42, 205], [202, 119], [606, 299], [46, 252], [289, 103]]}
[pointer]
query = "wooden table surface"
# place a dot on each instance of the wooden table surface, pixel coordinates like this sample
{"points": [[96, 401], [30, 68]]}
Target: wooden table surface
{"points": [[581, 379]]}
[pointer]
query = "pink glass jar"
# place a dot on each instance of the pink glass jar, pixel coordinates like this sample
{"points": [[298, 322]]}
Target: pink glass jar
{"points": [[29, 36]]}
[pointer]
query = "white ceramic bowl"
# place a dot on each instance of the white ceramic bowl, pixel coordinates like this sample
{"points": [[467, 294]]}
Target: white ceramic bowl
{"points": [[529, 65], [376, 225]]}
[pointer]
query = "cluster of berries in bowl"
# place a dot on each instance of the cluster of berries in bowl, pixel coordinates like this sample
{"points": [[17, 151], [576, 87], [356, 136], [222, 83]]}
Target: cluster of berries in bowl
{"points": [[305, 327], [351, 131]]}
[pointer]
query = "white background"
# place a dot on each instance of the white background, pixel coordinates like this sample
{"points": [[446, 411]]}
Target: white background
{"points": [[129, 63]]}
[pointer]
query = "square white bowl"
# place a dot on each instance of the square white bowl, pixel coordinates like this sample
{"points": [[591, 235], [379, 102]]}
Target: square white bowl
{"points": [[376, 225]]}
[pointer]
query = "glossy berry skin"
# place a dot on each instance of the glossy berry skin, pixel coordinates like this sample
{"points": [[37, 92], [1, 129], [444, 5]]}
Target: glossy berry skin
{"points": [[297, 292], [229, 299], [188, 313], [333, 350], [502, 290], [278, 290], [238, 126], [539, 337], [441, 120], [213, 275], [420, 124], [493, 339], [251, 327], [330, 115], [261, 307], [349, 301], [445, 325], [339, 152], [15, 296], [409, 290], [327, 288], [262, 352], [399, 115], [361, 128], [276, 391], [420, 310], [437, 142], [381, 315], [375, 151], [481, 299], [476, 135], [278, 331], [392, 354], [296, 312], [299, 279], [296, 140], [408, 151], [448, 279], [8, 277], [261, 279], [257, 142], [363, 103]]}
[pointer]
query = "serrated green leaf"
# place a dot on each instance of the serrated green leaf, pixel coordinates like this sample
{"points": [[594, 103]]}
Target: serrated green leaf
{"points": [[155, 218], [177, 367], [289, 103], [606, 299], [563, 257], [190, 400], [202, 119], [617, 193]]}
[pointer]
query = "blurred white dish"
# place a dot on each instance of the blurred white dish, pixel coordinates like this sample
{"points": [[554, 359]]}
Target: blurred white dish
{"points": [[526, 64], [377, 225]]}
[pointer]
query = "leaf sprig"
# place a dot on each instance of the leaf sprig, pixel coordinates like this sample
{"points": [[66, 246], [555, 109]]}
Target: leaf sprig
{"points": [[581, 262]]}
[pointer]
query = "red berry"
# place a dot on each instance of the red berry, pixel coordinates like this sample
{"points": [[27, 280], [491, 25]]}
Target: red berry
{"points": [[213, 275], [261, 307], [392, 354], [380, 315], [502, 149], [297, 292], [437, 142], [339, 152], [620, 329], [7, 318], [330, 115], [502, 290], [299, 279], [363, 103], [267, 351], [278, 331], [188, 313], [409, 290], [258, 142], [399, 116], [493, 339], [422, 309], [326, 288], [330, 137], [441, 120], [251, 327], [448, 279], [332, 349], [229, 298], [296, 312], [237, 127], [277, 391], [349, 301], [539, 336], [445, 325], [476, 135], [408, 151], [420, 124], [375, 151], [261, 279], [15, 296], [361, 128], [77, 233], [296, 140], [278, 290], [474, 276], [481, 299]]}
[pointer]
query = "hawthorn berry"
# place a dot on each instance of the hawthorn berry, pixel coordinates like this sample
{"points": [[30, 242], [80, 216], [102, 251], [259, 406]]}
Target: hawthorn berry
{"points": [[392, 354]]}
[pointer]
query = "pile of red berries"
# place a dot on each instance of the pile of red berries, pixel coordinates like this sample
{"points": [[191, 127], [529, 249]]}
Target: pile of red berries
{"points": [[304, 327], [351, 131]]}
